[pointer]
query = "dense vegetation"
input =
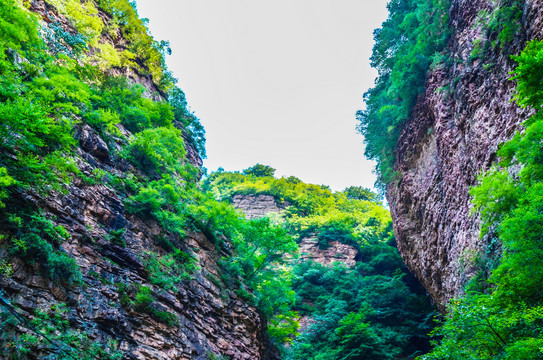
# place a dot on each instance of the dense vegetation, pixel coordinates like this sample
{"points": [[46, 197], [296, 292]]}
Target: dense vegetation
{"points": [[501, 315], [372, 311], [407, 44]]}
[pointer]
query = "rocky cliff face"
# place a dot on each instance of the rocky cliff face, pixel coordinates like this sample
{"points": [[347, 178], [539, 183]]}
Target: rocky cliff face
{"points": [[256, 206], [211, 318], [456, 127], [335, 251]]}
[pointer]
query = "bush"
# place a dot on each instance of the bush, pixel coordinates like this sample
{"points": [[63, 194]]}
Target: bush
{"points": [[169, 270], [260, 170], [37, 241], [141, 299], [157, 151]]}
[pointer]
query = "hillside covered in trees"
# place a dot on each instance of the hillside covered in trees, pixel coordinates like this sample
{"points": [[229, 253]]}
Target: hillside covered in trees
{"points": [[367, 309]]}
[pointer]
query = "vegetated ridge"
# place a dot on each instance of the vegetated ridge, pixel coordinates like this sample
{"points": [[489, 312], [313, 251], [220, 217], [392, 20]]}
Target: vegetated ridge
{"points": [[350, 290]]}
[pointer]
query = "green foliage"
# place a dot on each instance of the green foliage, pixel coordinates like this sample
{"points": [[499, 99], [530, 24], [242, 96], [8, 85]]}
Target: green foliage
{"points": [[117, 237], [408, 42], [169, 270], [35, 137], [258, 264], [502, 317], [360, 193], [141, 298], [136, 112], [60, 41], [141, 46], [158, 150], [5, 181], [191, 124], [396, 320], [164, 200], [83, 16], [503, 22], [53, 324], [259, 170], [314, 210], [364, 313], [18, 29], [104, 120], [38, 241]]}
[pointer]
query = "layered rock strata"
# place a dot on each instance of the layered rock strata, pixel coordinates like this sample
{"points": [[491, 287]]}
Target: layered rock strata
{"points": [[455, 130], [257, 206], [211, 318]]}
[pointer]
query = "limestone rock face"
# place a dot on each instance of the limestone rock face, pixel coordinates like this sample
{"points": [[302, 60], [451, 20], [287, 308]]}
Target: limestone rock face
{"points": [[257, 206], [454, 133], [211, 318], [335, 251]]}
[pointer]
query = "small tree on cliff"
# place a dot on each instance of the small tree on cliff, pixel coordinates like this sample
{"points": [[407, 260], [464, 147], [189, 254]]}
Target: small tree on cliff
{"points": [[260, 170]]}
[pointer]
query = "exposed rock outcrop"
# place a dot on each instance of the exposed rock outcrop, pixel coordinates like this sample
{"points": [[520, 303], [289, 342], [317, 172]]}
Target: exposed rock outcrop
{"points": [[454, 133], [212, 319], [257, 206], [335, 251]]}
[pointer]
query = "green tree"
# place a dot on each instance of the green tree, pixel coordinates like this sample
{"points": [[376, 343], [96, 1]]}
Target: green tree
{"points": [[361, 193], [260, 170]]}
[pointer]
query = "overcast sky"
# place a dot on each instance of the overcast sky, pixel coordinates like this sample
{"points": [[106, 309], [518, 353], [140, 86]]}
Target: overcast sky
{"points": [[275, 82]]}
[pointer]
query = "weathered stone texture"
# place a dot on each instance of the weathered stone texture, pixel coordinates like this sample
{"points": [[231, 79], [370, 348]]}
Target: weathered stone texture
{"points": [[334, 252], [257, 206], [454, 133]]}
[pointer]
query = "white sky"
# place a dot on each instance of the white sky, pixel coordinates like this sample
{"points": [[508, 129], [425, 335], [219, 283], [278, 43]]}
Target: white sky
{"points": [[275, 82]]}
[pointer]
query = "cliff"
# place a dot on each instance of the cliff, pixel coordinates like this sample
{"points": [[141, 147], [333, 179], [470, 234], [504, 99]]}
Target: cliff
{"points": [[257, 206], [453, 134], [119, 307]]}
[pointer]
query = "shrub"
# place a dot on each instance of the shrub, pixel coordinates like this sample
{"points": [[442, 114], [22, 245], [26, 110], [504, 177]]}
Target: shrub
{"points": [[38, 241], [260, 170], [104, 120], [169, 270], [162, 199], [159, 150], [140, 298]]}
